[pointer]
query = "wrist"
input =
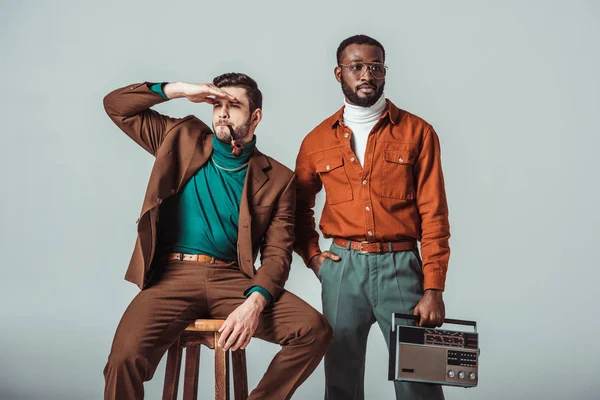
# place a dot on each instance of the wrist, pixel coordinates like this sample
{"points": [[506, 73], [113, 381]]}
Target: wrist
{"points": [[434, 292], [313, 260], [175, 90], [257, 300]]}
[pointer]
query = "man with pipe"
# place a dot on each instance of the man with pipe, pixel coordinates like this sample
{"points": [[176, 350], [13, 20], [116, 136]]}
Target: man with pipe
{"points": [[213, 202]]}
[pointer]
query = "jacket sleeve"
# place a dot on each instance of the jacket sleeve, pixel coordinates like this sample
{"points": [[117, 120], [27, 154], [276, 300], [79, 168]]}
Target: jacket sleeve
{"points": [[129, 108], [277, 247]]}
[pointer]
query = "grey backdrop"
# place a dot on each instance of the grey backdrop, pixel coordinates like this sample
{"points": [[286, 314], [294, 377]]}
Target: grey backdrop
{"points": [[511, 87]]}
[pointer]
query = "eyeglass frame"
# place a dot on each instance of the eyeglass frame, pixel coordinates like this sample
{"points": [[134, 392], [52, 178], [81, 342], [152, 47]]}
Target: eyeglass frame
{"points": [[369, 66]]}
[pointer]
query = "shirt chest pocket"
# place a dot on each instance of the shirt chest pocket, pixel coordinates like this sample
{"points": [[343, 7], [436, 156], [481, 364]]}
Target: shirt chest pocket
{"points": [[335, 179], [397, 179]]}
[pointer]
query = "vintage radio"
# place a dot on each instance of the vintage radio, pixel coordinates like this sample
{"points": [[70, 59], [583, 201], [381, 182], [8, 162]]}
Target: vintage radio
{"points": [[432, 355]]}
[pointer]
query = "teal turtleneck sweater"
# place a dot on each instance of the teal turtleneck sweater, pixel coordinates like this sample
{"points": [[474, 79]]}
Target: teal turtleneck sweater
{"points": [[202, 218]]}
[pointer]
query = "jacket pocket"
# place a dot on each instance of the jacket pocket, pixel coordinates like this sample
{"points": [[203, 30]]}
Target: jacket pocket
{"points": [[397, 180], [335, 179]]}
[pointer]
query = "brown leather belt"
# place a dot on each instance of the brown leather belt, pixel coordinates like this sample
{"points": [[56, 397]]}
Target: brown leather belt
{"points": [[200, 258], [377, 247]]}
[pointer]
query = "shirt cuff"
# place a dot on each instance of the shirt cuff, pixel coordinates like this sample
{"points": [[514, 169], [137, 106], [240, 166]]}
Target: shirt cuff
{"points": [[260, 290], [158, 89]]}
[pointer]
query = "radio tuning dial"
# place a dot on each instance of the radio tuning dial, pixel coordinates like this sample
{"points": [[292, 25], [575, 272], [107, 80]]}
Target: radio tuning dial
{"points": [[472, 376], [461, 374], [451, 374]]}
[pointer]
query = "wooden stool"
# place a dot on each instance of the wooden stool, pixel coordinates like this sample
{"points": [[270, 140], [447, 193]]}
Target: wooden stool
{"points": [[204, 332]]}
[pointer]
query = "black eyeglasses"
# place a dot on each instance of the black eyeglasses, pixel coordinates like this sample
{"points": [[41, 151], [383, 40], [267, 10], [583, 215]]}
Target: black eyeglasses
{"points": [[358, 69]]}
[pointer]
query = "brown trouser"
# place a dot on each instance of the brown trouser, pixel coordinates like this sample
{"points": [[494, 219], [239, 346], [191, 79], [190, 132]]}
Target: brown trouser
{"points": [[183, 291]]}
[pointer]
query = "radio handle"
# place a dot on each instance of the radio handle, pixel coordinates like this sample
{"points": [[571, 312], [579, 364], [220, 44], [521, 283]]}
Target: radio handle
{"points": [[446, 320]]}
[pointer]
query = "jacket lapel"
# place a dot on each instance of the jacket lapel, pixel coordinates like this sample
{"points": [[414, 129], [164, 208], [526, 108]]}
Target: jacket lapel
{"points": [[255, 179], [198, 155]]}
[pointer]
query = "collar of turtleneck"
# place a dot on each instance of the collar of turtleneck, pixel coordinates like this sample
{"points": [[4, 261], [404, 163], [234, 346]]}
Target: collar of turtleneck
{"points": [[363, 115], [223, 157]]}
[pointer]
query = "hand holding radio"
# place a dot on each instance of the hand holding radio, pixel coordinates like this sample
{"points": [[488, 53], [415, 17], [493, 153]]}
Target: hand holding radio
{"points": [[431, 309]]}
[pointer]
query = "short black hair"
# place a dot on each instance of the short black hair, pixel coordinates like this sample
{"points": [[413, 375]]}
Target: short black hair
{"points": [[357, 39], [237, 79]]}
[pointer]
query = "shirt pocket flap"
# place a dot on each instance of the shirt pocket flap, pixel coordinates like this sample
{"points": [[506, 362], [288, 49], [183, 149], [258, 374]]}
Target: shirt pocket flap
{"points": [[329, 164], [399, 156]]}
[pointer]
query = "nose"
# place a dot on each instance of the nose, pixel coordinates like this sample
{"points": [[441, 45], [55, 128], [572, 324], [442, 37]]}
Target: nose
{"points": [[224, 112], [367, 76]]}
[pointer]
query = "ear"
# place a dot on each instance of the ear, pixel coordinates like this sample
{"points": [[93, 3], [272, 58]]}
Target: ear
{"points": [[337, 71], [256, 117]]}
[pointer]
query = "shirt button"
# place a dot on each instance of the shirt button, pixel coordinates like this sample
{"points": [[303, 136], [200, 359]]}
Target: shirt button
{"points": [[346, 134], [159, 200], [368, 208], [328, 168], [352, 159], [364, 182], [370, 233], [172, 191]]}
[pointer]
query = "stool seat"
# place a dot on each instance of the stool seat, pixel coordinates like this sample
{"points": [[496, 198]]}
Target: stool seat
{"points": [[204, 332], [205, 325]]}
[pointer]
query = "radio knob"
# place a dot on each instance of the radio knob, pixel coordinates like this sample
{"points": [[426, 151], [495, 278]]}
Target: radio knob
{"points": [[472, 376], [461, 374], [451, 374]]}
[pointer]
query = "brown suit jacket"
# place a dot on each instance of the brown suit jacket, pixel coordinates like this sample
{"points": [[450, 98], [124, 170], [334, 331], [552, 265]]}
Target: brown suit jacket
{"points": [[183, 145]]}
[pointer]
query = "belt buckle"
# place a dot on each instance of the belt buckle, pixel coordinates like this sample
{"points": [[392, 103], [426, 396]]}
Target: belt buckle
{"points": [[360, 247], [212, 260], [179, 256]]}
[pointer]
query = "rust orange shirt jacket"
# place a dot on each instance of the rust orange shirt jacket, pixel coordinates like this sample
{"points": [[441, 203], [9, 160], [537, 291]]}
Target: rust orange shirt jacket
{"points": [[397, 195]]}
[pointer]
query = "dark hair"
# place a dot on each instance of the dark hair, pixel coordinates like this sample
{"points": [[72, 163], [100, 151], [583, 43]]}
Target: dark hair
{"points": [[357, 39], [236, 79]]}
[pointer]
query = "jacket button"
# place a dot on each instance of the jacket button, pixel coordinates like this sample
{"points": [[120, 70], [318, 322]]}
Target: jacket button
{"points": [[328, 168], [159, 200], [346, 134], [352, 159], [400, 159]]}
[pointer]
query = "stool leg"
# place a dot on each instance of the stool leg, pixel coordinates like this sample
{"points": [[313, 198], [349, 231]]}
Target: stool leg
{"points": [[172, 372], [192, 370], [221, 372], [240, 375]]}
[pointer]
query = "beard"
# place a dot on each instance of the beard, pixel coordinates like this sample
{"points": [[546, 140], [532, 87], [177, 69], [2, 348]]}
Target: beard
{"points": [[239, 133], [361, 101]]}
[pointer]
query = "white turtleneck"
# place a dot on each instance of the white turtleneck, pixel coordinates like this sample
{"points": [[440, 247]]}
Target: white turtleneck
{"points": [[361, 120]]}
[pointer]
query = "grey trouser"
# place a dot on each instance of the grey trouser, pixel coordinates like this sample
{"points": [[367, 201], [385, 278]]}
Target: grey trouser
{"points": [[357, 291]]}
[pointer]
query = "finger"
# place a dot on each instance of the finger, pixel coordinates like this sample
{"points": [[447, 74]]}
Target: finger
{"points": [[232, 338], [225, 334], [440, 320], [331, 256], [240, 341], [427, 321], [417, 312], [247, 342], [218, 93]]}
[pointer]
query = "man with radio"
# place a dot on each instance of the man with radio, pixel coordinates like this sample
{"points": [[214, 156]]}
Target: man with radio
{"points": [[381, 170]]}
